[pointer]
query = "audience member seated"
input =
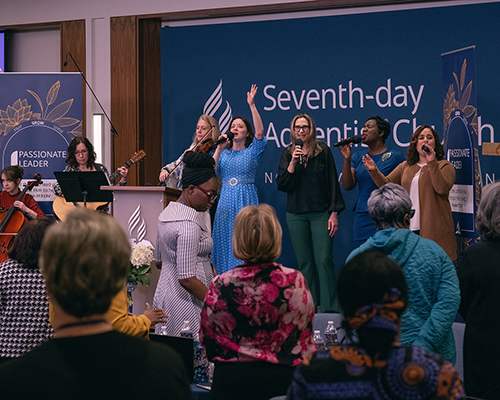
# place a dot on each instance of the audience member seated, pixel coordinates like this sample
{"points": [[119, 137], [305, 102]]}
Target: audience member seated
{"points": [[123, 321], [256, 323], [135, 325], [479, 273], [24, 306], [85, 261], [431, 276], [373, 295]]}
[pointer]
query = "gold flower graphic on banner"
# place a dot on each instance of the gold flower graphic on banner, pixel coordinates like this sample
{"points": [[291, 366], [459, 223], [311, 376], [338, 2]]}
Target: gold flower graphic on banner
{"points": [[15, 115], [462, 103], [21, 112]]}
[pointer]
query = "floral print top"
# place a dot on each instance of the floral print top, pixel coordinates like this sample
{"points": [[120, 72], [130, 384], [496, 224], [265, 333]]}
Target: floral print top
{"points": [[258, 312]]}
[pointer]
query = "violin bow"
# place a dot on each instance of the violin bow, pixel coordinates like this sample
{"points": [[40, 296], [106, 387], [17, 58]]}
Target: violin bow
{"points": [[193, 149]]}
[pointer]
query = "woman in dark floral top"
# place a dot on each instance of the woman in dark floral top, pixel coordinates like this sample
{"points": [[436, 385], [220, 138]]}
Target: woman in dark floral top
{"points": [[256, 323]]}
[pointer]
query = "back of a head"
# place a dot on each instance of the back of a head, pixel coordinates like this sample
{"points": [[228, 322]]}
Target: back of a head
{"points": [[388, 206], [369, 280], [257, 235], [488, 213], [85, 261], [27, 243]]}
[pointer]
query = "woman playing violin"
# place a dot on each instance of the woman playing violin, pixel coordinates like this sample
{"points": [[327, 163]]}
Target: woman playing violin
{"points": [[11, 178], [207, 133]]}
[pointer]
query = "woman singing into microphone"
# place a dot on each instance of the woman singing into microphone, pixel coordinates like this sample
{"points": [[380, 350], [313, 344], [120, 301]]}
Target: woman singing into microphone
{"points": [[309, 177], [374, 134], [236, 162], [428, 179]]}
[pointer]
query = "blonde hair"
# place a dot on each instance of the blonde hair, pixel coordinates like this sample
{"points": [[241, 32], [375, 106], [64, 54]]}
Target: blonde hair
{"points": [[311, 142], [213, 123], [85, 261], [257, 234]]}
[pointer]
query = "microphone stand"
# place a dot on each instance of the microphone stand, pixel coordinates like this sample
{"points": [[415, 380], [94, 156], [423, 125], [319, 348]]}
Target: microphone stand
{"points": [[113, 130]]}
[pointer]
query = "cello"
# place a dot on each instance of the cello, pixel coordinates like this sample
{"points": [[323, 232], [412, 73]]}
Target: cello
{"points": [[13, 220]]}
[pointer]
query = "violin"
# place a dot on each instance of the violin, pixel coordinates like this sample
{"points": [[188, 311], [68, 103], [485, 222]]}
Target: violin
{"points": [[204, 146], [13, 220]]}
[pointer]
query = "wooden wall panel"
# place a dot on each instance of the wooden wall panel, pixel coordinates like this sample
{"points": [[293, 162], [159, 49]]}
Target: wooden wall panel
{"points": [[73, 41], [124, 91], [150, 129]]}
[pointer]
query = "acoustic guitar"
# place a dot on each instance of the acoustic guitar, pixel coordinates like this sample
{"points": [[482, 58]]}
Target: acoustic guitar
{"points": [[62, 207]]}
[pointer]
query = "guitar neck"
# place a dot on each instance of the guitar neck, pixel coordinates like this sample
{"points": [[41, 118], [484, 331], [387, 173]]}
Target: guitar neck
{"points": [[116, 174], [136, 157]]}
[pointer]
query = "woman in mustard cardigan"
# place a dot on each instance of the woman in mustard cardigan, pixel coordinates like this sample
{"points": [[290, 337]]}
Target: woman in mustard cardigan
{"points": [[428, 179]]}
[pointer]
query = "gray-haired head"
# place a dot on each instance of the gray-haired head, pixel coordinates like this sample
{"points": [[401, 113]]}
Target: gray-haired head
{"points": [[388, 206], [488, 213]]}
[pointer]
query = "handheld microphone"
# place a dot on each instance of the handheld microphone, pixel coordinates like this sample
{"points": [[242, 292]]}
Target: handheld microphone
{"points": [[354, 139], [66, 60], [425, 148], [230, 136], [299, 143]]}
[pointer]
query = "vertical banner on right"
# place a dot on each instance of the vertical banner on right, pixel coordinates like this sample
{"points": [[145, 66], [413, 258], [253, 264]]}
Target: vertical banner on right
{"points": [[461, 140]]}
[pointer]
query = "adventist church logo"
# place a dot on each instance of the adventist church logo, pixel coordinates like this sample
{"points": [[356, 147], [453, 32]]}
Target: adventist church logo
{"points": [[212, 106]]}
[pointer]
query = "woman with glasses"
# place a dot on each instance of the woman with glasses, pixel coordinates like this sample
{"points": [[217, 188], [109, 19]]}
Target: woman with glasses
{"points": [[81, 157], [236, 161], [428, 179], [434, 291], [308, 175], [183, 246], [374, 134]]}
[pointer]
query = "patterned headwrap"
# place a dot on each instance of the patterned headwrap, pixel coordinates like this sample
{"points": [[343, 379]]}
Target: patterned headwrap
{"points": [[379, 315]]}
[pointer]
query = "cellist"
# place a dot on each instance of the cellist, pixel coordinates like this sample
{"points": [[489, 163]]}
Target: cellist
{"points": [[11, 178]]}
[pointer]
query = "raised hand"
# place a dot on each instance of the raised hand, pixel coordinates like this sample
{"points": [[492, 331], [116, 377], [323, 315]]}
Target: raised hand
{"points": [[251, 95]]}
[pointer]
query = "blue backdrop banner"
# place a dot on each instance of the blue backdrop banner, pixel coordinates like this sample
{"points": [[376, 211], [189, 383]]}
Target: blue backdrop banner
{"points": [[39, 115], [460, 137], [339, 69]]}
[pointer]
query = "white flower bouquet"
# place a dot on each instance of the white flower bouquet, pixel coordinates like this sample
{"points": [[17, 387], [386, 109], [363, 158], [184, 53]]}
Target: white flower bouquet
{"points": [[140, 262]]}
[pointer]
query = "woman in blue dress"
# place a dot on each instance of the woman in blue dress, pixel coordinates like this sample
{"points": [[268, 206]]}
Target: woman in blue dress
{"points": [[374, 134], [237, 161]]}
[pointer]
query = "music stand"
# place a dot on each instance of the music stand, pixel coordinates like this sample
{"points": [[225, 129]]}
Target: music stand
{"points": [[83, 187]]}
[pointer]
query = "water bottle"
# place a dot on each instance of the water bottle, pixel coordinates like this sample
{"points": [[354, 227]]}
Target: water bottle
{"points": [[331, 335], [186, 330], [318, 341], [200, 363], [163, 330]]}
